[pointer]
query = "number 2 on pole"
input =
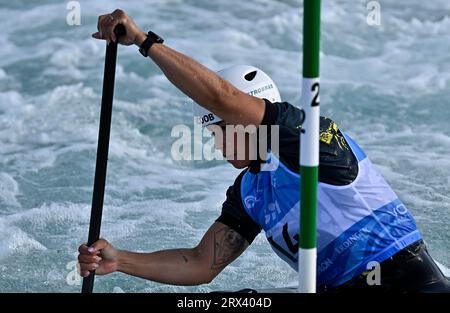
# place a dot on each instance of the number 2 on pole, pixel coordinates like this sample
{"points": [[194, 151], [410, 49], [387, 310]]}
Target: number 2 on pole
{"points": [[315, 88]]}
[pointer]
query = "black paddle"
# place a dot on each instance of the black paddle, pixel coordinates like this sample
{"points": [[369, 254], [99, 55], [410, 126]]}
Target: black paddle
{"points": [[102, 149]]}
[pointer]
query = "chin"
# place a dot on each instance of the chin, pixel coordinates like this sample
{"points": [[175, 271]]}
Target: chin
{"points": [[239, 164]]}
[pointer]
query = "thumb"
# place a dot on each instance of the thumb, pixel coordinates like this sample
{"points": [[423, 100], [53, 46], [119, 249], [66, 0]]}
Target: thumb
{"points": [[98, 245], [97, 35]]}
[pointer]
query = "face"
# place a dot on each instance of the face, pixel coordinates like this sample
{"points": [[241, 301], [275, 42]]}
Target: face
{"points": [[239, 154]]}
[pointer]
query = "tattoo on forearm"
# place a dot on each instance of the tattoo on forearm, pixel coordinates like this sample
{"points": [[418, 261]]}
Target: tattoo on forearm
{"points": [[183, 256], [227, 244]]}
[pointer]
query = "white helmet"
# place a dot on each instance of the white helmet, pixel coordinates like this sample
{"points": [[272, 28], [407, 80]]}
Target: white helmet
{"points": [[248, 79]]}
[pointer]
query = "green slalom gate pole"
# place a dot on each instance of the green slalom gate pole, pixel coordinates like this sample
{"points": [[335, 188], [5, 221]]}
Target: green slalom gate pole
{"points": [[309, 147]]}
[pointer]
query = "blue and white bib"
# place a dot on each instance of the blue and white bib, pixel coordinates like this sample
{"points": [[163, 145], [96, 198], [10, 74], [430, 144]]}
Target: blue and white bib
{"points": [[357, 223]]}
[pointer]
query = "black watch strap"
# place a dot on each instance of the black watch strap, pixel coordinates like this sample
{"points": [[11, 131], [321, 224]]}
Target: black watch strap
{"points": [[148, 42]]}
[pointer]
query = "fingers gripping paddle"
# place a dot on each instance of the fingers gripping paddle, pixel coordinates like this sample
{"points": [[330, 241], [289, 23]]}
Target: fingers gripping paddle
{"points": [[102, 149]]}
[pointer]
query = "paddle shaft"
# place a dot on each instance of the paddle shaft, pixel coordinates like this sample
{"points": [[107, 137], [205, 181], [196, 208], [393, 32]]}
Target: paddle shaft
{"points": [[102, 151]]}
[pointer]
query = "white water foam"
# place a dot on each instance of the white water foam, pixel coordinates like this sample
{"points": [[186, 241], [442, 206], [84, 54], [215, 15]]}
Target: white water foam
{"points": [[387, 86]]}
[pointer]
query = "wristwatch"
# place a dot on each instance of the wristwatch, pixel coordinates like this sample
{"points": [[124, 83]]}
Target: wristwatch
{"points": [[148, 42]]}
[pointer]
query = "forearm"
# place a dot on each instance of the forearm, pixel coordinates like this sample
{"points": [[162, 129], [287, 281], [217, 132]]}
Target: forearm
{"points": [[176, 267], [206, 87], [199, 83]]}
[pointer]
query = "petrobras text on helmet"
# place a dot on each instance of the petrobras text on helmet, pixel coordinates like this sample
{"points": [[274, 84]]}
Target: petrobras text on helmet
{"points": [[260, 90]]}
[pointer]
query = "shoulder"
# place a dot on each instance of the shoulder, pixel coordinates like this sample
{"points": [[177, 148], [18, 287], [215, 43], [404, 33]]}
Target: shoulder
{"points": [[282, 114], [338, 164]]}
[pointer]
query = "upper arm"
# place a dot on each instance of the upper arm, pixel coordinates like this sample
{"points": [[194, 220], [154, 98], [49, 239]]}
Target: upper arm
{"points": [[220, 246], [228, 236]]}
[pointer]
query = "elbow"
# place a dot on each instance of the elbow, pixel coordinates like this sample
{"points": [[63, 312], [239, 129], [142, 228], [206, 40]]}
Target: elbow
{"points": [[206, 274], [225, 97], [207, 279]]}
